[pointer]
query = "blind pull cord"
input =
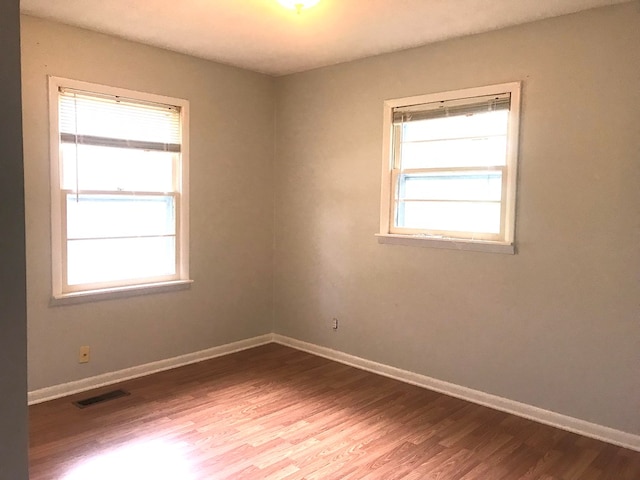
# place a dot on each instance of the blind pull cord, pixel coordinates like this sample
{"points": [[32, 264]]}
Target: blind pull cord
{"points": [[75, 128]]}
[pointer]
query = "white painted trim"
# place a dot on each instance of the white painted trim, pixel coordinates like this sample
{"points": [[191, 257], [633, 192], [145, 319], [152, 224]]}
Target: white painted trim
{"points": [[497, 243], [564, 422], [446, 243], [62, 292], [57, 391], [118, 292]]}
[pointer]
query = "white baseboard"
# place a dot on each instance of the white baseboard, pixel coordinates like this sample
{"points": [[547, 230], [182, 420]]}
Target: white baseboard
{"points": [[564, 422], [57, 391]]}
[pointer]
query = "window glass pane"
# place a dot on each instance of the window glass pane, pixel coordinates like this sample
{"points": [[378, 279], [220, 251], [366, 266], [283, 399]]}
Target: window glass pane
{"points": [[108, 168], [462, 126], [480, 217], [479, 186], [107, 260], [466, 152], [98, 216]]}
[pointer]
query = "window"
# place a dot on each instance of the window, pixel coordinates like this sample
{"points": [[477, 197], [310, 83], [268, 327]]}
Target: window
{"points": [[449, 169], [119, 171]]}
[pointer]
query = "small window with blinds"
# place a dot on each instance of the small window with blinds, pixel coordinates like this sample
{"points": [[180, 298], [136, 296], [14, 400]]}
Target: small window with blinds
{"points": [[449, 168], [119, 188]]}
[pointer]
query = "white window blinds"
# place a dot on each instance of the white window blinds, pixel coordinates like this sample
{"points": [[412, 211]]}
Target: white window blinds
{"points": [[452, 108], [112, 121]]}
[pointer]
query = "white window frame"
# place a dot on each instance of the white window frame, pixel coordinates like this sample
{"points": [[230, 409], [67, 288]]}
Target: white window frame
{"points": [[502, 243], [65, 294]]}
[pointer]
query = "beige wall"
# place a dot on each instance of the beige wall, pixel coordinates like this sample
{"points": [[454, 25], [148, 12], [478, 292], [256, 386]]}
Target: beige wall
{"points": [[231, 208], [13, 315], [555, 326]]}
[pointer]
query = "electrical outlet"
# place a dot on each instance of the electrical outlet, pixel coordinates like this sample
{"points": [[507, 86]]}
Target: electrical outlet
{"points": [[334, 325], [83, 357]]}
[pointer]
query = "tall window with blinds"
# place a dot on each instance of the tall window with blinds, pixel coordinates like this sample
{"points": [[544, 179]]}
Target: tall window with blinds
{"points": [[449, 166], [119, 196]]}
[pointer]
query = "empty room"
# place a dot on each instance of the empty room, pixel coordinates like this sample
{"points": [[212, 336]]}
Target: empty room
{"points": [[364, 239]]}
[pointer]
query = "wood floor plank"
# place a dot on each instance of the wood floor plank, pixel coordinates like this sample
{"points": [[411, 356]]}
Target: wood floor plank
{"points": [[274, 413]]}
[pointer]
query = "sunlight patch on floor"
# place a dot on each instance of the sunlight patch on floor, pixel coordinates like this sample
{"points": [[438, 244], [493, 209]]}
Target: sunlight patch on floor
{"points": [[155, 459]]}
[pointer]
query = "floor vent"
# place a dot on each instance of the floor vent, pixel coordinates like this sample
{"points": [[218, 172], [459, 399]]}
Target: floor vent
{"points": [[87, 402]]}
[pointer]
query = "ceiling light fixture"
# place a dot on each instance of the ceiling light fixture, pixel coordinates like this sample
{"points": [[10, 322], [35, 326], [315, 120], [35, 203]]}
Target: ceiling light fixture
{"points": [[298, 5]]}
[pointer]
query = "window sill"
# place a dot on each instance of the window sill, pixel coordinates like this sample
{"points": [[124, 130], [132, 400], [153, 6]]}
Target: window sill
{"points": [[448, 243], [118, 292]]}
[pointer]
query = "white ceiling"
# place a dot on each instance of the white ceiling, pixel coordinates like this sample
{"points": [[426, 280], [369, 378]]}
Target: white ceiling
{"points": [[261, 35]]}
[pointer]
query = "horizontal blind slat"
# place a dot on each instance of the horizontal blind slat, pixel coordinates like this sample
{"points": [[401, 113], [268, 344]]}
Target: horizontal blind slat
{"points": [[118, 143]]}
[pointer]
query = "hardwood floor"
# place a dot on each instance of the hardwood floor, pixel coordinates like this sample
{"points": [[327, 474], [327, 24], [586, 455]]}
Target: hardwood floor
{"points": [[276, 413]]}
